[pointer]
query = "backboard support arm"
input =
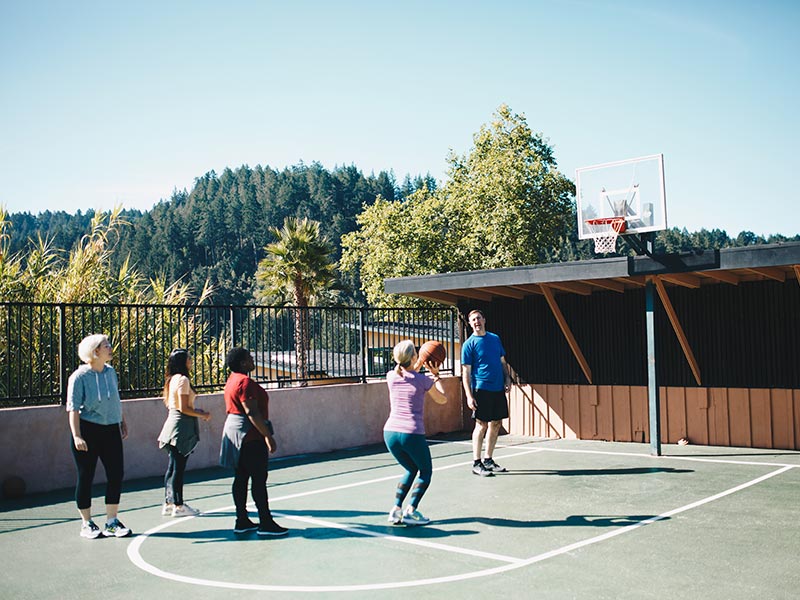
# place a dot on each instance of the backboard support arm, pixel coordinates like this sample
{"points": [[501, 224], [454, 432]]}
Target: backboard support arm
{"points": [[642, 243]]}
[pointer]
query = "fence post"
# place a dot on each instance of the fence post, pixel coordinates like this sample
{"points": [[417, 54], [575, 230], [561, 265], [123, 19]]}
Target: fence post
{"points": [[363, 337], [232, 326], [62, 351], [453, 339]]}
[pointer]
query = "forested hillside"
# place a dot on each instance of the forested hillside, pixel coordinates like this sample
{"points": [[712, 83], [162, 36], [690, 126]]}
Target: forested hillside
{"points": [[218, 230]]}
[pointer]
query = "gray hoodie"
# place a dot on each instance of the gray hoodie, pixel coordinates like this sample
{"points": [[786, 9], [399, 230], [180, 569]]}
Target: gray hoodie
{"points": [[95, 395]]}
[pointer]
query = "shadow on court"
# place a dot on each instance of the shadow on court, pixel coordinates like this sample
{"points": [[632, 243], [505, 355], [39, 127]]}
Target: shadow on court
{"points": [[570, 521], [589, 472]]}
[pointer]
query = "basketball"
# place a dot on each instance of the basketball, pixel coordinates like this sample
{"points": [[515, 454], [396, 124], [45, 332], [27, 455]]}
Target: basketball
{"points": [[13, 487], [432, 352]]}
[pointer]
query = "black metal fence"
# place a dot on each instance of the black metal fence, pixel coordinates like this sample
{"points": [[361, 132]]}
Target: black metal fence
{"points": [[291, 345]]}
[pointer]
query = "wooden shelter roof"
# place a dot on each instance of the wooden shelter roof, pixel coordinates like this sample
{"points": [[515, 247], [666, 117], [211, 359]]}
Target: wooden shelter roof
{"points": [[730, 266]]}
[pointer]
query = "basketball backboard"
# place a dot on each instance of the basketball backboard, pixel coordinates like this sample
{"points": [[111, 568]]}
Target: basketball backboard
{"points": [[633, 189]]}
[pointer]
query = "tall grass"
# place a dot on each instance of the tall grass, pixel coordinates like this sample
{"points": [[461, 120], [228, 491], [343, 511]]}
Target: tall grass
{"points": [[83, 282]]}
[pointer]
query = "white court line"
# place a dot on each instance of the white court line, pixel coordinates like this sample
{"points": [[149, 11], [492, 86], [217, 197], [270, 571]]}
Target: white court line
{"points": [[403, 540], [136, 558], [640, 455], [387, 478], [685, 458]]}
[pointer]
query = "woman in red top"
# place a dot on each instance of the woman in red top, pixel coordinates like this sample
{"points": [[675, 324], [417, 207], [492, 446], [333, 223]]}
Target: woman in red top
{"points": [[246, 443]]}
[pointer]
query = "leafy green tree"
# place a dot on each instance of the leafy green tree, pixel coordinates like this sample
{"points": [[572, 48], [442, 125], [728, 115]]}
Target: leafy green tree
{"points": [[298, 269], [513, 198], [504, 204]]}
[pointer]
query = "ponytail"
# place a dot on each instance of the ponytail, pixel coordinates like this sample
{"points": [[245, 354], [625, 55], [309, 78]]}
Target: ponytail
{"points": [[403, 353]]}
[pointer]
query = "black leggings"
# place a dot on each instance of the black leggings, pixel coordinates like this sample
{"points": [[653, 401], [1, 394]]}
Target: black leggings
{"points": [[173, 479], [253, 464], [103, 442]]}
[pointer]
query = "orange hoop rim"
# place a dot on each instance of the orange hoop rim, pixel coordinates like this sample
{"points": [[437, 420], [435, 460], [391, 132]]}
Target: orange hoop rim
{"points": [[618, 224]]}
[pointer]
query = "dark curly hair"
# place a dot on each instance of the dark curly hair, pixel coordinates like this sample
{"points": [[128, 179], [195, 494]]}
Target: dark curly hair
{"points": [[176, 365], [235, 359]]}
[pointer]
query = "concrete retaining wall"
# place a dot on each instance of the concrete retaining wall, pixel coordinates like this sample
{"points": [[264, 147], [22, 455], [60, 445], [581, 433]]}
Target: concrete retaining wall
{"points": [[35, 442]]}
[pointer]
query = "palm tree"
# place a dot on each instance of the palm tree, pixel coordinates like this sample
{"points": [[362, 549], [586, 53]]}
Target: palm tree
{"points": [[297, 269]]}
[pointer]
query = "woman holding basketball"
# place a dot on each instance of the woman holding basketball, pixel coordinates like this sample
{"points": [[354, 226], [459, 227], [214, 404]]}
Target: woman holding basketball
{"points": [[404, 432]]}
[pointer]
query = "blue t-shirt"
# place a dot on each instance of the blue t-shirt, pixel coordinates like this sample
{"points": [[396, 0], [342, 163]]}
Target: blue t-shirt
{"points": [[483, 354]]}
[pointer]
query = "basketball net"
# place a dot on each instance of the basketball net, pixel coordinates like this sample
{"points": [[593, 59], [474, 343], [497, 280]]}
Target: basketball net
{"points": [[605, 232]]}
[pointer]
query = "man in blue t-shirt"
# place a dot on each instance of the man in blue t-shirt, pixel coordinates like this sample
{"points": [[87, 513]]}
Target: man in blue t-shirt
{"points": [[486, 380]]}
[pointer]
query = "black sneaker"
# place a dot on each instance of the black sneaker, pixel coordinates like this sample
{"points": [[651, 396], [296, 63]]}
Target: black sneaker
{"points": [[479, 469], [271, 528], [243, 526], [490, 465]]}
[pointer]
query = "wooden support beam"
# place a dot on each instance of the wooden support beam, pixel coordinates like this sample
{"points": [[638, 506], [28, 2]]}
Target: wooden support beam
{"points": [[438, 297], [770, 273], [682, 279], [607, 284], [530, 288], [724, 276], [562, 323], [676, 326], [636, 280], [572, 287], [504, 291], [797, 272], [474, 294]]}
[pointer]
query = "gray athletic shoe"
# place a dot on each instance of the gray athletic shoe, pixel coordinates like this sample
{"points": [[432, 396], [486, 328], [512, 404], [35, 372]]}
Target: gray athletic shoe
{"points": [[490, 465], [479, 469]]}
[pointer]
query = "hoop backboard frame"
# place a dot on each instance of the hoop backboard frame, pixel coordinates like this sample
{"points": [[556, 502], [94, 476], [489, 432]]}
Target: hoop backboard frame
{"points": [[632, 188]]}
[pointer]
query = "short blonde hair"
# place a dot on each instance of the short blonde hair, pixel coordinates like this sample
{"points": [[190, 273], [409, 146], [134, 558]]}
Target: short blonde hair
{"points": [[89, 344], [403, 352]]}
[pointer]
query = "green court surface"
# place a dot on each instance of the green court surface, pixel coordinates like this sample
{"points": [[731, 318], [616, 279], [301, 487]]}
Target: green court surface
{"points": [[569, 520]]}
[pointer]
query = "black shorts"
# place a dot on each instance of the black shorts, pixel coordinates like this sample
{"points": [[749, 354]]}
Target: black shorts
{"points": [[492, 406]]}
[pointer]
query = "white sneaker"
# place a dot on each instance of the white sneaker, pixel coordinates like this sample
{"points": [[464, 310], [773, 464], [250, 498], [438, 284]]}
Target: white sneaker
{"points": [[89, 530], [115, 528], [414, 517], [184, 510], [166, 510], [396, 516]]}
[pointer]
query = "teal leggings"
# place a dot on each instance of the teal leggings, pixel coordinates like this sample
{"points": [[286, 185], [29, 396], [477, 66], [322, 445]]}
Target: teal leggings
{"points": [[412, 452]]}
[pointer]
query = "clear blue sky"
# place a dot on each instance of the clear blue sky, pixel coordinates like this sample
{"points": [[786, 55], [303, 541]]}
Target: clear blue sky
{"points": [[110, 102]]}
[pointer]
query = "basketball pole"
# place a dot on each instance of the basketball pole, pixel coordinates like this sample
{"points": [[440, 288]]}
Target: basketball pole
{"points": [[652, 379]]}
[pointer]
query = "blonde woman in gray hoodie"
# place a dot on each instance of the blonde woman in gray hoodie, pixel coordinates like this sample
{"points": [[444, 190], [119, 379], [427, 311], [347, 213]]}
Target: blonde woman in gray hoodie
{"points": [[98, 428]]}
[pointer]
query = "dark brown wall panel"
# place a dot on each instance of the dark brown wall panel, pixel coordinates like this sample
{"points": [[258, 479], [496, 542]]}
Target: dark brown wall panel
{"points": [[745, 336]]}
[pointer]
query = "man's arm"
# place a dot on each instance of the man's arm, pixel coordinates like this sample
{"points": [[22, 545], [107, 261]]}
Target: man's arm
{"points": [[506, 374], [466, 380]]}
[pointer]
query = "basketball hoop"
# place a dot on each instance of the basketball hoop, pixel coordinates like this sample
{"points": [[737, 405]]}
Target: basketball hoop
{"points": [[605, 231]]}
